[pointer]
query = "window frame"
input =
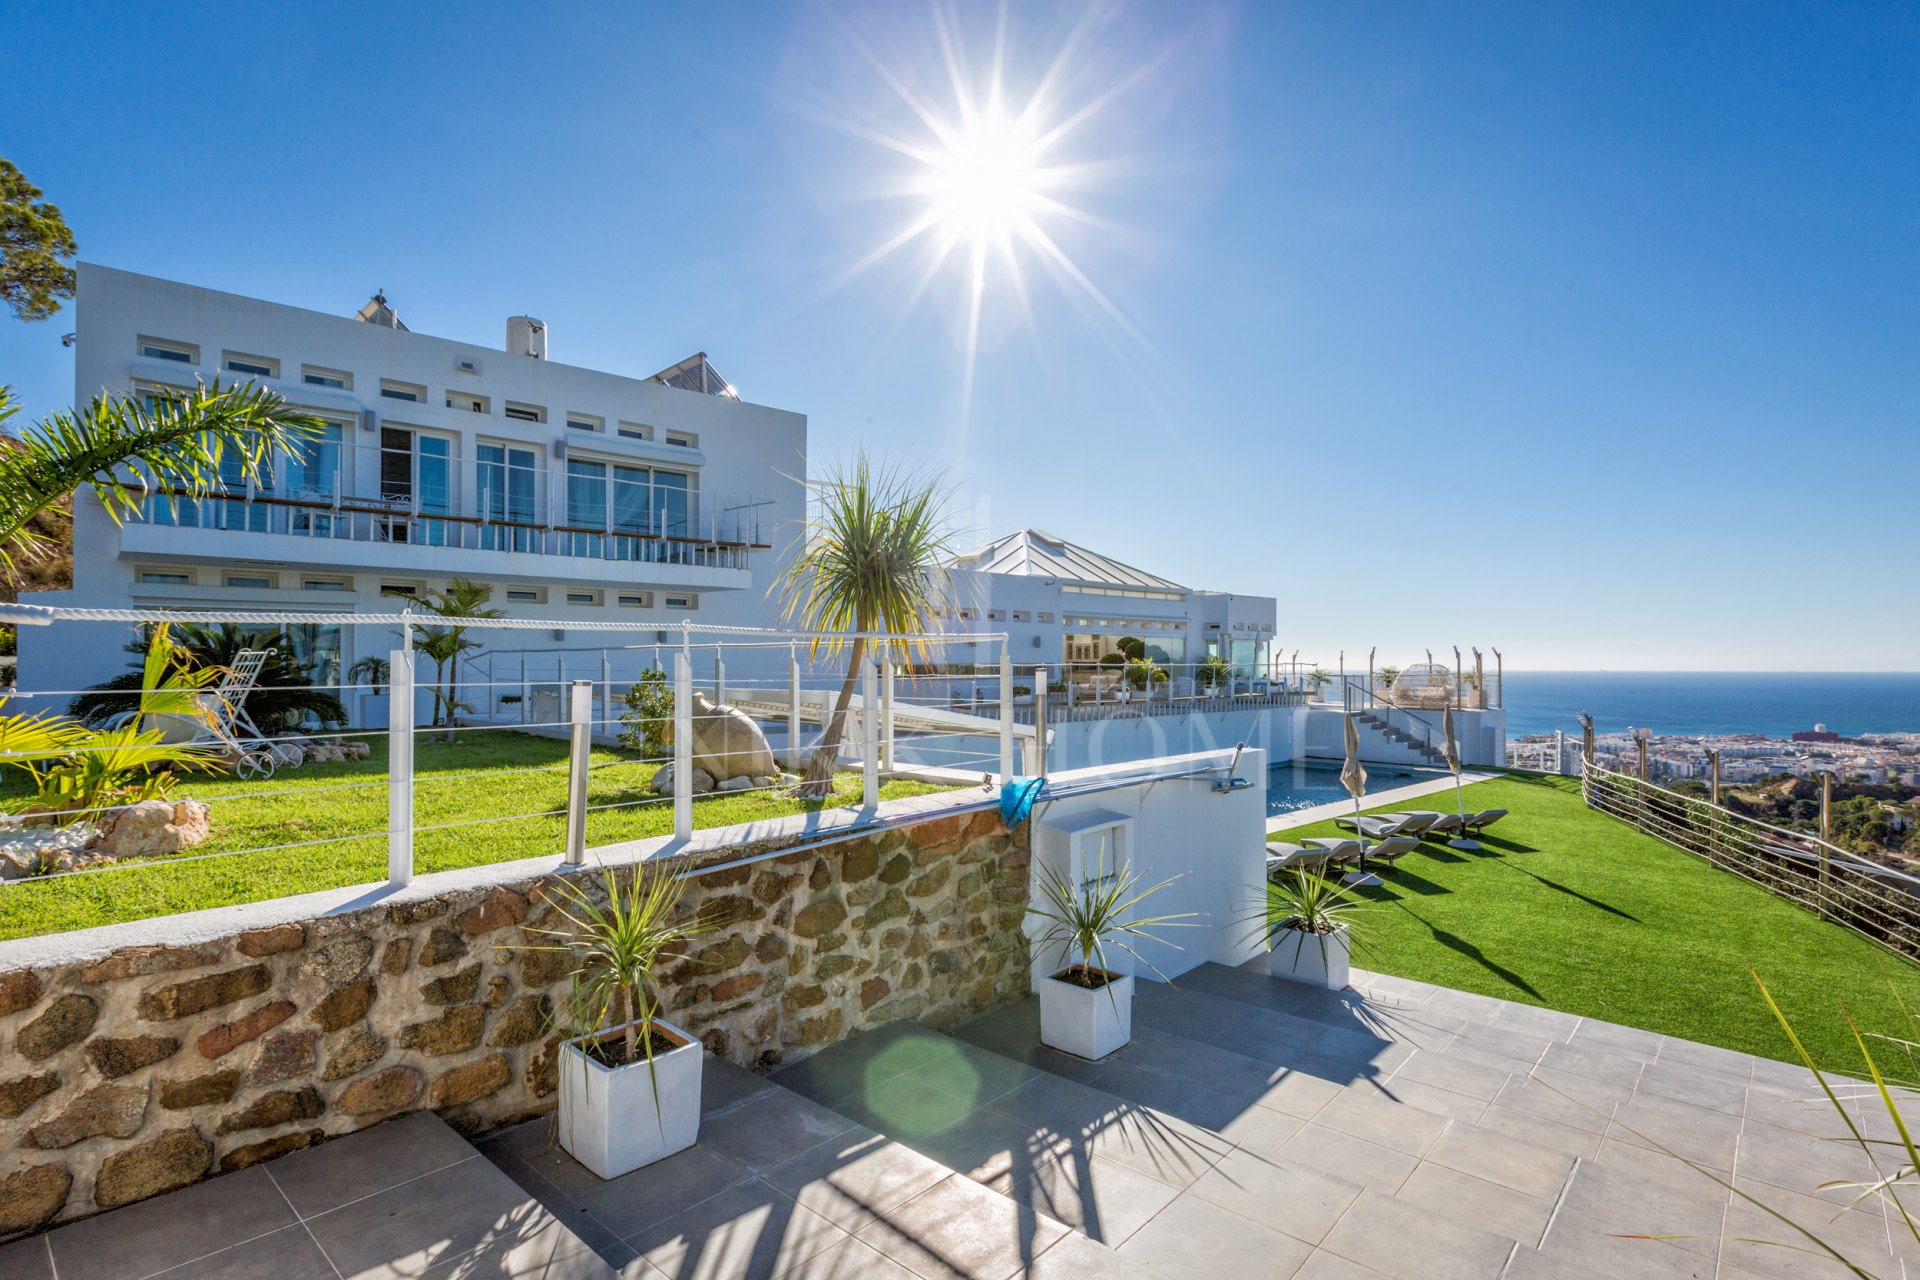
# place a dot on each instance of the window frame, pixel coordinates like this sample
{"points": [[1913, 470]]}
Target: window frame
{"points": [[314, 375], [170, 350], [264, 366]]}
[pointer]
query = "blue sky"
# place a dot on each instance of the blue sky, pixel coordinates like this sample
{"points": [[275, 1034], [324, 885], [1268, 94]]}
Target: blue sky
{"points": [[1589, 332]]}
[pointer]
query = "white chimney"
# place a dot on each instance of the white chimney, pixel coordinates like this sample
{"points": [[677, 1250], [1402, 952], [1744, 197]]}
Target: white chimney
{"points": [[527, 337]]}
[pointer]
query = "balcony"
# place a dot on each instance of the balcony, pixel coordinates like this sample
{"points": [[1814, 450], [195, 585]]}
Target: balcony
{"points": [[701, 541]]}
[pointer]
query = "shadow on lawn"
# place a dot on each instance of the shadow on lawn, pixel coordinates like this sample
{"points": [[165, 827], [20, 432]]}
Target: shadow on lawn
{"points": [[1454, 942], [1571, 892]]}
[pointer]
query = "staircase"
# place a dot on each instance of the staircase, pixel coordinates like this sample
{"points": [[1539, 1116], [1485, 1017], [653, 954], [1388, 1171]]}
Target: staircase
{"points": [[1425, 752]]}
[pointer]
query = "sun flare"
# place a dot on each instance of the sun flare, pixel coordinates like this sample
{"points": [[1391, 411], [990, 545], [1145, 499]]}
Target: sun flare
{"points": [[984, 183]]}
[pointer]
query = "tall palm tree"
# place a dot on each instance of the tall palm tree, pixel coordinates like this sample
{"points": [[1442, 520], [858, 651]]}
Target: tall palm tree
{"points": [[445, 645], [124, 449], [870, 560]]}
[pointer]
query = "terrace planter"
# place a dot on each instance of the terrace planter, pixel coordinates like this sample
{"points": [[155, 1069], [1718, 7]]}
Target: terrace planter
{"points": [[616, 1119], [1087, 1022], [1316, 959]]}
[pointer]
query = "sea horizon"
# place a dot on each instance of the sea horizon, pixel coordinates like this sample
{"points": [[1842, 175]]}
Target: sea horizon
{"points": [[1683, 703]]}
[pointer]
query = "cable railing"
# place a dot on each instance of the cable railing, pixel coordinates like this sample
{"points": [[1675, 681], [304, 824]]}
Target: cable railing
{"points": [[1875, 901]]}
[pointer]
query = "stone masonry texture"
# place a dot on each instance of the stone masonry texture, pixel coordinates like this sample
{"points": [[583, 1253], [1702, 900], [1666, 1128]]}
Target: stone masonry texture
{"points": [[153, 1067]]}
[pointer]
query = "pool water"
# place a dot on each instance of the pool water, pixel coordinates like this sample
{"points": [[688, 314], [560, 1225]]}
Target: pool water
{"points": [[1302, 784]]}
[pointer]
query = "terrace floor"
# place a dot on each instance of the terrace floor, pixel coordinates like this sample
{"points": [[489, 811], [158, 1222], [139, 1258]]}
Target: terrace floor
{"points": [[1253, 1128]]}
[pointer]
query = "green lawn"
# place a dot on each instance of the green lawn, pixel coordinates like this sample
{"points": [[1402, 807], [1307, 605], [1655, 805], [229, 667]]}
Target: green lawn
{"points": [[480, 776], [1570, 909]]}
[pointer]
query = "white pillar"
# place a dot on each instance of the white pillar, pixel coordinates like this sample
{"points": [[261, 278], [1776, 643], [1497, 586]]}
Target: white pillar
{"points": [[886, 709], [869, 745], [682, 747], [607, 712], [580, 729], [1039, 767], [400, 767], [719, 677], [793, 708], [1006, 713]]}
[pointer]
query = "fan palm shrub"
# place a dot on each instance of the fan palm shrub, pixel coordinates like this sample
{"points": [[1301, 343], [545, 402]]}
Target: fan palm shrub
{"points": [[190, 444], [281, 698], [871, 559]]}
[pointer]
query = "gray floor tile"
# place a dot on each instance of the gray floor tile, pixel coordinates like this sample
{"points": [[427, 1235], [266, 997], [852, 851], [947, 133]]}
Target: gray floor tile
{"points": [[1349, 1158], [1398, 1125], [1540, 1133], [856, 1176], [1508, 1042], [371, 1160], [723, 1084], [1861, 1238], [1331, 1266], [1592, 1031], [431, 1221], [26, 1259], [959, 1228], [851, 1259], [749, 1229], [1709, 1089], [175, 1228], [1261, 1131], [1574, 1101], [286, 1254], [1298, 1093], [773, 1127], [1511, 1162], [1576, 1251], [990, 1148], [972, 1074], [1706, 1057], [1303, 1202], [550, 1253], [1456, 1075], [1602, 1062], [1192, 1237], [1693, 1132], [1457, 1107], [1627, 1202], [1101, 1200], [1074, 1257], [1486, 1205], [1408, 1243], [905, 1107], [637, 1200], [1157, 1145], [1798, 1161]]}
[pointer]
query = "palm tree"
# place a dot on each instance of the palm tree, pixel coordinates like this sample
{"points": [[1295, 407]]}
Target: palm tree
{"points": [[281, 698], [189, 444], [870, 560], [372, 670], [444, 646]]}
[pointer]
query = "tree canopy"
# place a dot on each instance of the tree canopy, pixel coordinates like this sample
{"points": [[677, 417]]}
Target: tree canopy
{"points": [[33, 240]]}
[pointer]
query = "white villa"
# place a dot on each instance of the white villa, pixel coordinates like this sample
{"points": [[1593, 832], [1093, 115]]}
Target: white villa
{"points": [[573, 492], [1061, 603]]}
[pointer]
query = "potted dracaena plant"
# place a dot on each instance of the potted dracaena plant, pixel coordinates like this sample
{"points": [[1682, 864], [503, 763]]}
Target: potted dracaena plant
{"points": [[1086, 1007], [1307, 926], [629, 1080]]}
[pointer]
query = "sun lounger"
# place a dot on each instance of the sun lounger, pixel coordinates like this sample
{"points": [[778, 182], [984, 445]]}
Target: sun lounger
{"points": [[1337, 850], [1285, 857], [1447, 824], [1478, 822], [1393, 848], [1385, 825]]}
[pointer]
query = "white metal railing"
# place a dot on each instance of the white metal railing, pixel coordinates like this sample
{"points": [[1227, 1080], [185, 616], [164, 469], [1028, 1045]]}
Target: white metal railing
{"points": [[1878, 902]]}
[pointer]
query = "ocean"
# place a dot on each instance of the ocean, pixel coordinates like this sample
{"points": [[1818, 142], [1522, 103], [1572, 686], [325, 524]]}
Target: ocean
{"points": [[1696, 703]]}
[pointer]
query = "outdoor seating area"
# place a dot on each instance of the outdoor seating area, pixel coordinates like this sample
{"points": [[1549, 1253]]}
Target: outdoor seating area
{"points": [[1253, 1128]]}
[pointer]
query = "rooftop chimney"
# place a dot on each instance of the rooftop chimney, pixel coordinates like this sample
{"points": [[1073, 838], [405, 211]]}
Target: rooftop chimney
{"points": [[527, 336]]}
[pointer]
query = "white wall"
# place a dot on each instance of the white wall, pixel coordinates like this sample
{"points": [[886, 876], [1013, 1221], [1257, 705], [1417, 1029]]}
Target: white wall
{"points": [[1211, 845]]}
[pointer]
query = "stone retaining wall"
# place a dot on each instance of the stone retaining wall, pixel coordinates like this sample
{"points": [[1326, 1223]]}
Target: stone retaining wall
{"points": [[153, 1067]]}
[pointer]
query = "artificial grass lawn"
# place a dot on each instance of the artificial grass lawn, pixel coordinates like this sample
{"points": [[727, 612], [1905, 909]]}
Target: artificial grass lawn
{"points": [[1577, 911], [479, 776]]}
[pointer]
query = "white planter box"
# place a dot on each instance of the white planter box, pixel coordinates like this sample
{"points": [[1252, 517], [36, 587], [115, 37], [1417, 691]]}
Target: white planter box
{"points": [[616, 1119], [1317, 959], [1087, 1024]]}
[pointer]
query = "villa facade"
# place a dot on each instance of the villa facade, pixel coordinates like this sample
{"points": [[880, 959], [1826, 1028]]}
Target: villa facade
{"points": [[574, 493]]}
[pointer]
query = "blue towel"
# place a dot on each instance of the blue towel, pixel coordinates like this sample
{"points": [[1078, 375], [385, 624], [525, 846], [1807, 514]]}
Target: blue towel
{"points": [[1016, 799]]}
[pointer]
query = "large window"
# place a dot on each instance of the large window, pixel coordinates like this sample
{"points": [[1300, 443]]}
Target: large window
{"points": [[416, 474], [509, 479], [586, 506]]}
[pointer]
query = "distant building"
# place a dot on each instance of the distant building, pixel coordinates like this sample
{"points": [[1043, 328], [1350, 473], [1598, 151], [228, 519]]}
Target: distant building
{"points": [[1819, 733]]}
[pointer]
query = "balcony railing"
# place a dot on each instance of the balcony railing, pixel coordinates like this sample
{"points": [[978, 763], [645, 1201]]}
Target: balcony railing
{"points": [[709, 530]]}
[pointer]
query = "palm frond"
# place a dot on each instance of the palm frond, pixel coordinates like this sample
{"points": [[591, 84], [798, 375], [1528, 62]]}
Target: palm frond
{"points": [[123, 450]]}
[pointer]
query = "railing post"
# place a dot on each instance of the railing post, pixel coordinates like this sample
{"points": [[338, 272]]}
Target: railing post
{"points": [[526, 693], [682, 747], [886, 708], [1006, 712], [869, 745], [1713, 761], [719, 678], [1040, 722], [607, 712], [400, 767], [793, 707], [580, 718]]}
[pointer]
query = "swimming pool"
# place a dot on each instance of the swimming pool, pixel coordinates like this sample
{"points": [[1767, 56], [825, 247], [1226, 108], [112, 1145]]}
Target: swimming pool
{"points": [[1301, 784]]}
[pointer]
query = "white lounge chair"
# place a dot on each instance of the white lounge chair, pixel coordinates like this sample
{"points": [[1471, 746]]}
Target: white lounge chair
{"points": [[1286, 857], [1478, 822], [1445, 824], [1393, 848]]}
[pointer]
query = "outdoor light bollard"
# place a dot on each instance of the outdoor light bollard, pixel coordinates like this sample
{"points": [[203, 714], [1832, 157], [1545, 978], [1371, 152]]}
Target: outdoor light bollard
{"points": [[1006, 714], [580, 729], [682, 747], [400, 767], [869, 744]]}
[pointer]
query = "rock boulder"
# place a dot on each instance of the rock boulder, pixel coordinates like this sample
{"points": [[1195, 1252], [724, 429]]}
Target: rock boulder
{"points": [[150, 827]]}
